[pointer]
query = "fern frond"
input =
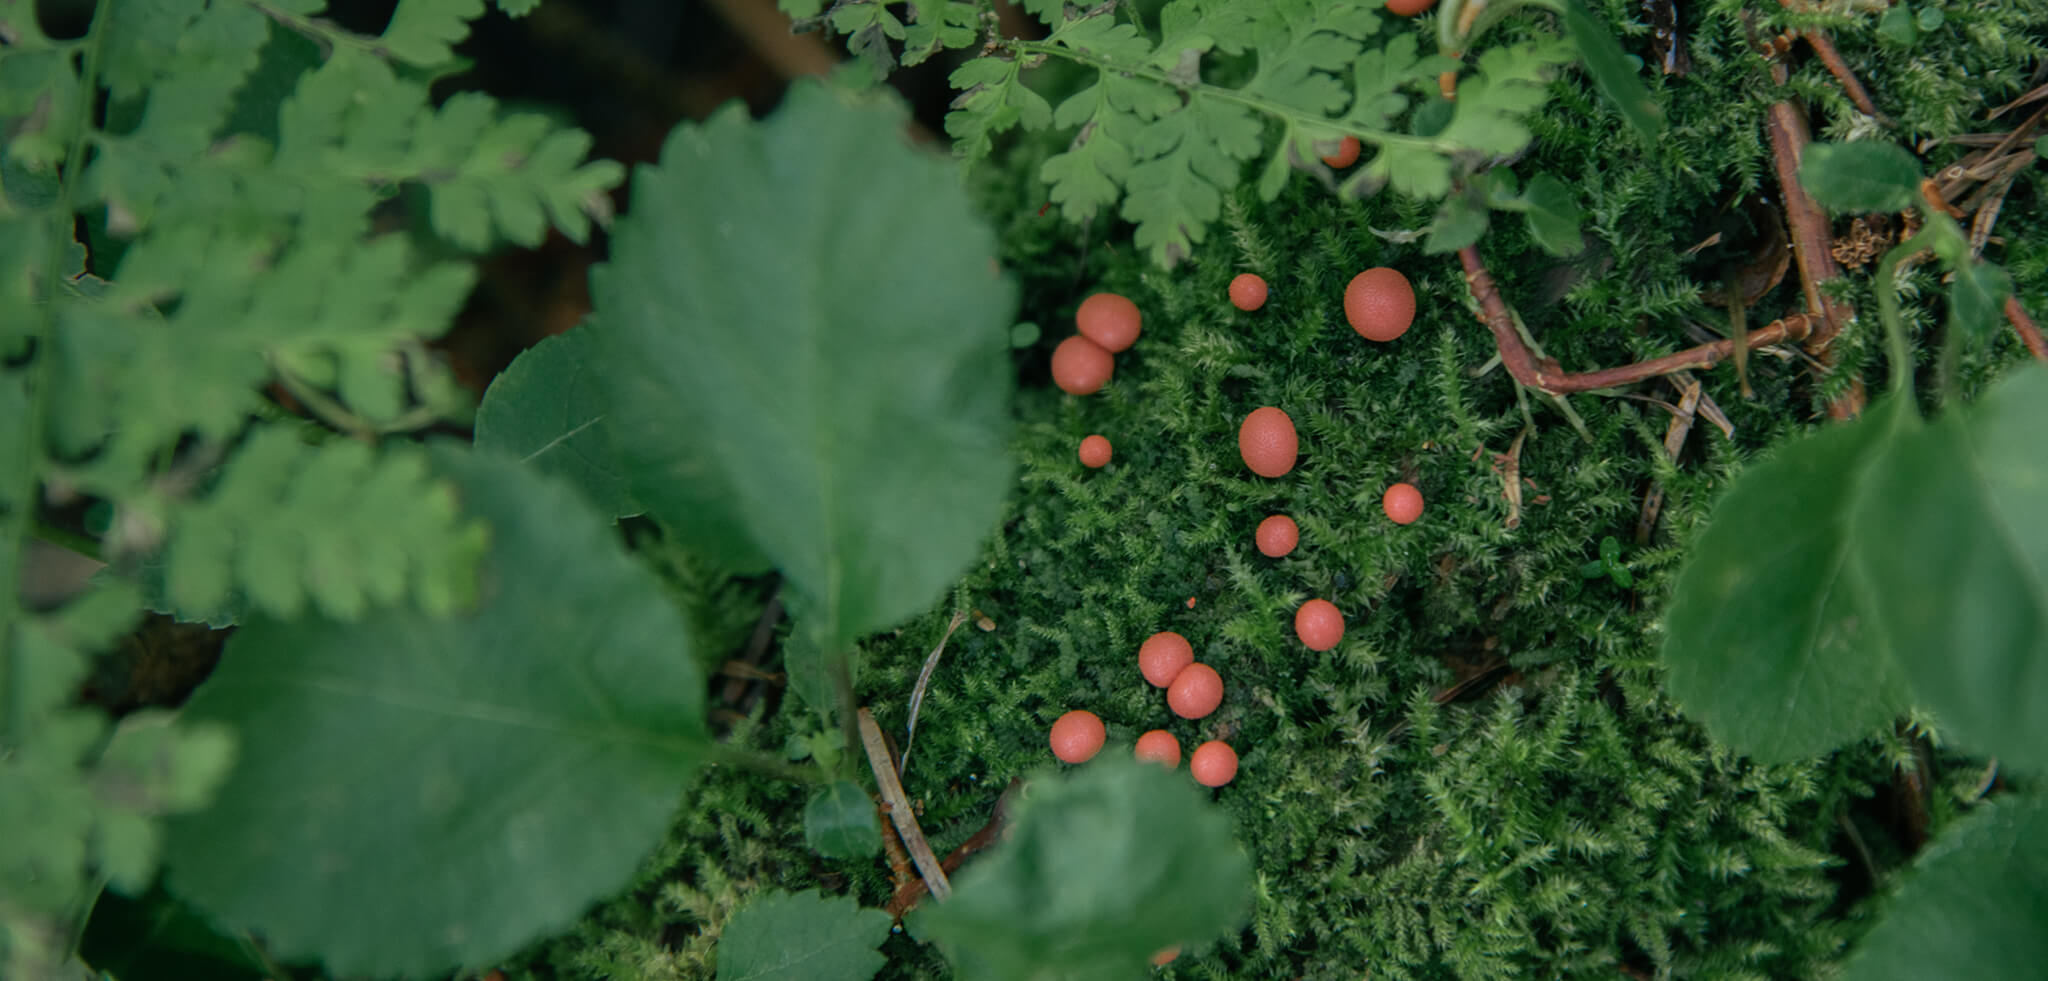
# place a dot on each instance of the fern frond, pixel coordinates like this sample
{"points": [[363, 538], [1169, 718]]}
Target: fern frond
{"points": [[340, 526]]}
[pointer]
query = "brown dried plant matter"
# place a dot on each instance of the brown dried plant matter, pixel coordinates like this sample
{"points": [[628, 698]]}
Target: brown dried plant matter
{"points": [[1547, 375]]}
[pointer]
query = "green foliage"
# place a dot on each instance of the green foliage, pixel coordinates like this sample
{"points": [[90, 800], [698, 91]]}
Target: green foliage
{"points": [[1860, 176], [375, 750], [1105, 866], [1926, 575], [1770, 640], [340, 525], [843, 379], [802, 937], [1975, 898], [79, 803], [840, 822], [223, 173], [1156, 130], [1957, 575], [548, 409], [1610, 69]]}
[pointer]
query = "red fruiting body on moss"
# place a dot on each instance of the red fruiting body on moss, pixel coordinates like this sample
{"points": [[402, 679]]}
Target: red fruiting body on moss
{"points": [[1213, 763], [1159, 746], [1077, 736], [1109, 320], [1319, 624], [1403, 504], [1095, 451], [1081, 367], [1195, 692], [1408, 8], [1166, 956], [1277, 536], [1267, 442], [1163, 656], [1379, 303], [1247, 292], [1345, 155]]}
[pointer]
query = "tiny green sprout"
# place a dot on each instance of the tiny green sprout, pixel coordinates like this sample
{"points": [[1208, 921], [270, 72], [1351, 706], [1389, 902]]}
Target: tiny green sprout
{"points": [[825, 747], [1024, 334], [1609, 564], [1897, 27]]}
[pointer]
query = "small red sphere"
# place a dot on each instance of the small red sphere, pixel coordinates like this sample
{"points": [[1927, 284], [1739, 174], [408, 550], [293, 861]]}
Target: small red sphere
{"points": [[1267, 441], [1195, 692], [1403, 504], [1247, 292], [1095, 451], [1408, 8], [1077, 736], [1319, 624], [1159, 746], [1110, 320], [1080, 366], [1345, 155], [1277, 536], [1163, 656], [1213, 763], [1379, 303]]}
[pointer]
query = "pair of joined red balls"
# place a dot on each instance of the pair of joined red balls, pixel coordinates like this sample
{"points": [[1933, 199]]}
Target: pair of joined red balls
{"points": [[1109, 324]]}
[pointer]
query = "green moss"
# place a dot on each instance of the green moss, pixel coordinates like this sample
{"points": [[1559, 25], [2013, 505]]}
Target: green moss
{"points": [[1565, 821]]}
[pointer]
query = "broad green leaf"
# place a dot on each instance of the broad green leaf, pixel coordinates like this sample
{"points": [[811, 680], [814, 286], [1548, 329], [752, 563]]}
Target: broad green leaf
{"points": [[548, 409], [806, 335], [1767, 640], [840, 822], [416, 792], [1976, 299], [1950, 544], [803, 936], [1106, 866], [1975, 897], [1610, 69], [1862, 176], [1553, 216]]}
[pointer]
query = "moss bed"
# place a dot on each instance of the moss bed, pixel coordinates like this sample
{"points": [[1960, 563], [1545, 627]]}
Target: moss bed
{"points": [[1558, 817]]}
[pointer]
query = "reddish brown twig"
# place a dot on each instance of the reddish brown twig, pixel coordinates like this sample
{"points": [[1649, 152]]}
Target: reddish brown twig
{"points": [[1811, 245], [908, 893], [1824, 46], [2030, 335], [1547, 375]]}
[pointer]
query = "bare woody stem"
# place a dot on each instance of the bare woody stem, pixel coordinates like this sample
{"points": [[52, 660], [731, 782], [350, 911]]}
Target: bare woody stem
{"points": [[2030, 335], [1544, 374]]}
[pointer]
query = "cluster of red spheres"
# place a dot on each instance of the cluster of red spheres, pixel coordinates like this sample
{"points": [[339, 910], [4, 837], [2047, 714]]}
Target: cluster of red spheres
{"points": [[1193, 691], [1379, 303], [1106, 324]]}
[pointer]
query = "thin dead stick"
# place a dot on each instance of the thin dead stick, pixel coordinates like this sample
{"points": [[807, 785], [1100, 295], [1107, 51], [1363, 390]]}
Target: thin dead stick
{"points": [[1674, 443], [899, 807], [908, 893], [924, 678], [1547, 375], [757, 646], [2030, 334], [1825, 47], [1811, 245]]}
